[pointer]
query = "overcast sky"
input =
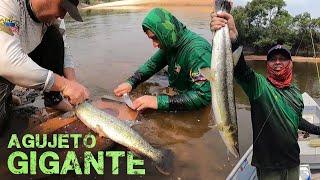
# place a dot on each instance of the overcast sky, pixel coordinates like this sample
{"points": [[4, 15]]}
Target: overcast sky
{"points": [[296, 6]]}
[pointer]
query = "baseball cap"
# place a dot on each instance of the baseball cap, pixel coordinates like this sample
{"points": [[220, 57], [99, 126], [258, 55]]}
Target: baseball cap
{"points": [[71, 7], [280, 49]]}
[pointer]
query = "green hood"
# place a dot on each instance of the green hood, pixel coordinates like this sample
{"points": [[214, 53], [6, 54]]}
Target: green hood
{"points": [[166, 27]]}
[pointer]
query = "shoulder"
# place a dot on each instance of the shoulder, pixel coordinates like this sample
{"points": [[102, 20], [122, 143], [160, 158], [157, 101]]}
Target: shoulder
{"points": [[10, 11], [199, 54], [296, 92], [11, 8]]}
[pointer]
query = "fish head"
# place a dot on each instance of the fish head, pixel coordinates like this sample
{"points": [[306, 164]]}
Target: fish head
{"points": [[82, 108], [223, 5]]}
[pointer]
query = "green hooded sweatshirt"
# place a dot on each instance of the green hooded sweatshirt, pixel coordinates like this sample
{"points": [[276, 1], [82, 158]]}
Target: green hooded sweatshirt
{"points": [[185, 53]]}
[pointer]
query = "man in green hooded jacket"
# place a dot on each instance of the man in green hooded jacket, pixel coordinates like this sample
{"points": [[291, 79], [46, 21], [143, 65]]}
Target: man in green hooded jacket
{"points": [[185, 53]]}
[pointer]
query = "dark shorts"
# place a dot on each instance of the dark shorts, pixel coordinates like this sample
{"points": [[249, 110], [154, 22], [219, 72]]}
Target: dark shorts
{"points": [[49, 55], [282, 174]]}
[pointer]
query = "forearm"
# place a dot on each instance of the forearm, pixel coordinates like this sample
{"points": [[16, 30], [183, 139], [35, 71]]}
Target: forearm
{"points": [[187, 101], [18, 68], [137, 78], [59, 83], [308, 127]]}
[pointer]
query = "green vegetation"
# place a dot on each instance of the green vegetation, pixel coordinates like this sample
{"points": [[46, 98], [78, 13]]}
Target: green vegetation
{"points": [[262, 23]]}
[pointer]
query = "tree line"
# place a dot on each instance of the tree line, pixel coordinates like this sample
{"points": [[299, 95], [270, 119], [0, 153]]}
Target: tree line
{"points": [[263, 23]]}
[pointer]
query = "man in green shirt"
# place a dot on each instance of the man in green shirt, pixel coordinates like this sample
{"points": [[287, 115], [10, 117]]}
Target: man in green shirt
{"points": [[185, 53], [276, 109]]}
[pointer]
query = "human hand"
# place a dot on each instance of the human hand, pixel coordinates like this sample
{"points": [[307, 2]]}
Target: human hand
{"points": [[145, 102], [75, 92], [220, 20], [122, 89]]}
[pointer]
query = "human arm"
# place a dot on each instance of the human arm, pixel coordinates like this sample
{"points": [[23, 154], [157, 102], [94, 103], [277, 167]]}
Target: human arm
{"points": [[196, 96], [19, 69], [74, 91], [306, 126], [70, 74]]}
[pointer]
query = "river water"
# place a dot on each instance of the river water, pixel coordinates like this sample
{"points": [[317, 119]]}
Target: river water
{"points": [[110, 45]]}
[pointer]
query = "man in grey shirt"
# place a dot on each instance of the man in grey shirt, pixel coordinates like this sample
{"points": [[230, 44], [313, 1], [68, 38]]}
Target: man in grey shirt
{"points": [[33, 53]]}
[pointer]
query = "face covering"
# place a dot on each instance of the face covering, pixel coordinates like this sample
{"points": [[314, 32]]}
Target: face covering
{"points": [[282, 78]]}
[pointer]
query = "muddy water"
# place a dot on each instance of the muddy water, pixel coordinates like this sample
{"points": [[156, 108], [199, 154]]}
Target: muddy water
{"points": [[110, 45]]}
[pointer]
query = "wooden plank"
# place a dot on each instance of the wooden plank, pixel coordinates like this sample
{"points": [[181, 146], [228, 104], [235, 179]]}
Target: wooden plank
{"points": [[314, 143], [52, 125]]}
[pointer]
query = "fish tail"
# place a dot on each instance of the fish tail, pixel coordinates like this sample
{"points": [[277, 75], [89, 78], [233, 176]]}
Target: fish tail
{"points": [[165, 164], [235, 151]]}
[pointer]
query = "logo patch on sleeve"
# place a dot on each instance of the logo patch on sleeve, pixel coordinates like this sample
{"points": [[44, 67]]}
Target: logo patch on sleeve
{"points": [[177, 68], [9, 26], [197, 77]]}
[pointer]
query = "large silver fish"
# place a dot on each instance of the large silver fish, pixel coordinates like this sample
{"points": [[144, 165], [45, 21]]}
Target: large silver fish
{"points": [[220, 76], [120, 131]]}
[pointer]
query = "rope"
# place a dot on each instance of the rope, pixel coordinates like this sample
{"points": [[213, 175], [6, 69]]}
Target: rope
{"points": [[265, 122]]}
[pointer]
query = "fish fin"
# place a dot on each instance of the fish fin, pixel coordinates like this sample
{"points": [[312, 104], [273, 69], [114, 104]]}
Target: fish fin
{"points": [[236, 154], [165, 164], [212, 124], [208, 73], [236, 55], [228, 155], [100, 132]]}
